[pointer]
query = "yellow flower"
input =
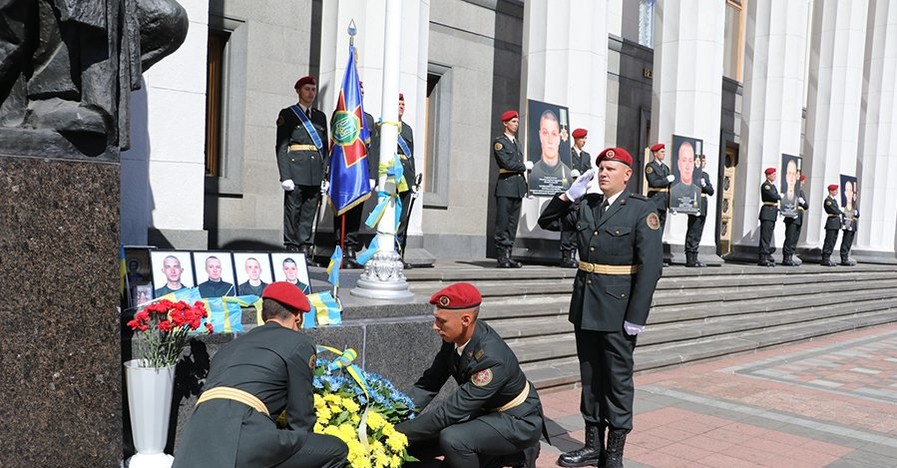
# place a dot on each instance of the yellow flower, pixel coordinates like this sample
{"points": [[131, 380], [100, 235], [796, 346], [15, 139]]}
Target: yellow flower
{"points": [[332, 398], [319, 401], [381, 459], [395, 461], [319, 428], [397, 442], [351, 405], [375, 421], [324, 414]]}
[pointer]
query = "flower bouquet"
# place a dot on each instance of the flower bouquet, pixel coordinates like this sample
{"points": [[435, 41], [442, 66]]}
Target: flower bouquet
{"points": [[165, 327], [362, 409]]}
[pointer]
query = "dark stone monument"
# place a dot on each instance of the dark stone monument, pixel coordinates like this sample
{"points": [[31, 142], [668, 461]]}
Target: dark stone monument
{"points": [[67, 68]]}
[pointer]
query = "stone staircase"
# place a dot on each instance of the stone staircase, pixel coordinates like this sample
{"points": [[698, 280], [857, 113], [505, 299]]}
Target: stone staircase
{"points": [[696, 314]]}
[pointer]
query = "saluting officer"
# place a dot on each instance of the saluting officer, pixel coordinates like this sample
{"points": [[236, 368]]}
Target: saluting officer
{"points": [[793, 226], [769, 211], [832, 225], [495, 412], [621, 260], [581, 162], [251, 381], [696, 221], [659, 180], [302, 148], [510, 188]]}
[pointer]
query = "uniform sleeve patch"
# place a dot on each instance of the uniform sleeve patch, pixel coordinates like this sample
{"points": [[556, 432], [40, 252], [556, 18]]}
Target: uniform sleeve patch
{"points": [[649, 170], [498, 146], [766, 187], [481, 378], [653, 221], [828, 203], [312, 361]]}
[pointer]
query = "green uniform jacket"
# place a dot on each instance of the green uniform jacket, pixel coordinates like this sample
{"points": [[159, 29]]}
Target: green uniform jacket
{"points": [[834, 214], [302, 167], [656, 173], [274, 364], [582, 162], [769, 194], [488, 377], [509, 157], [628, 233]]}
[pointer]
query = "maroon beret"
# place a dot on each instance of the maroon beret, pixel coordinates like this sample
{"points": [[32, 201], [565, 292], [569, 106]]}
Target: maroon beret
{"points": [[580, 133], [657, 147], [615, 154], [770, 170], [401, 97], [457, 296], [832, 187], [306, 80], [508, 115], [287, 294], [803, 178]]}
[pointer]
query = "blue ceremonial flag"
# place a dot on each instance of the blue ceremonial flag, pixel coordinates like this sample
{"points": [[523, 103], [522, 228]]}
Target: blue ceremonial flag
{"points": [[349, 184]]}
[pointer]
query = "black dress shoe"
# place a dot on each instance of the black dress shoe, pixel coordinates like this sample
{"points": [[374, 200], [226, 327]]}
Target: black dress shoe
{"points": [[827, 263], [406, 265]]}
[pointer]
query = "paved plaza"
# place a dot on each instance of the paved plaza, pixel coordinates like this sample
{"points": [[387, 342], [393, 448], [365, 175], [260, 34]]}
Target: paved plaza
{"points": [[831, 402]]}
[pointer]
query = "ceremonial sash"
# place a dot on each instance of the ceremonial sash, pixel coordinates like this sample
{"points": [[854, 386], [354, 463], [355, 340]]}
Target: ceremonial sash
{"points": [[404, 145], [315, 138]]}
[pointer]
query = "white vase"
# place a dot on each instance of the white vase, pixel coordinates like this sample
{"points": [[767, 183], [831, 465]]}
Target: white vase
{"points": [[149, 400]]}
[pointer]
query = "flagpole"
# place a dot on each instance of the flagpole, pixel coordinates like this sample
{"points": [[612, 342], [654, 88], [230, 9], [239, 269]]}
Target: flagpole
{"points": [[383, 277]]}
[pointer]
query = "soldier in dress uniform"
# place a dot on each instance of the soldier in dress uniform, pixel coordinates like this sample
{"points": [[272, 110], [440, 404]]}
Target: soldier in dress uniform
{"points": [[659, 180], [405, 150], [792, 228], [251, 381], [621, 260], [495, 411], [302, 149], [354, 215], [848, 224], [832, 225], [769, 211], [510, 188], [581, 162], [696, 221]]}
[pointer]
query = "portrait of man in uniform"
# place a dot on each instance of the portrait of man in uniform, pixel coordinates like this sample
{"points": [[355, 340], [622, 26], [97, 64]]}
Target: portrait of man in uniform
{"points": [[214, 274], [685, 193], [291, 267], [549, 149], [172, 271], [790, 186], [253, 271], [849, 193]]}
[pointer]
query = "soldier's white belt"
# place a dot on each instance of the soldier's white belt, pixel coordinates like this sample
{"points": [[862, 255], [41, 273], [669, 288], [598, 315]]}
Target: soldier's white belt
{"points": [[517, 401], [403, 157], [507, 171], [600, 269], [834, 216], [303, 148], [770, 203], [234, 394], [658, 190]]}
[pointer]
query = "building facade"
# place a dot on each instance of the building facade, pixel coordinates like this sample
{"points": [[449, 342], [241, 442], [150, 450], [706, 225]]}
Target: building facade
{"points": [[753, 80]]}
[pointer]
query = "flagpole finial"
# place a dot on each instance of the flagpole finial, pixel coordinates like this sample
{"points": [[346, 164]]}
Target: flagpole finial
{"points": [[352, 31]]}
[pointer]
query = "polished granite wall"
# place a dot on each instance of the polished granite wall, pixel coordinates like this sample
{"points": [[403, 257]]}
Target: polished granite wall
{"points": [[60, 384]]}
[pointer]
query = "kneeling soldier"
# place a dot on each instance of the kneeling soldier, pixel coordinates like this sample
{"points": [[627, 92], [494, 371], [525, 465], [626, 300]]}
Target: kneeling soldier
{"points": [[495, 412]]}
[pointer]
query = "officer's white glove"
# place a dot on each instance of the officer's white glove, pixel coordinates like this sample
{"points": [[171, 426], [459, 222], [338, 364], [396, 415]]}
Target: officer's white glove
{"points": [[703, 183], [288, 185], [632, 329], [529, 165], [801, 200], [373, 183], [415, 191], [671, 178], [574, 173], [579, 187], [324, 186]]}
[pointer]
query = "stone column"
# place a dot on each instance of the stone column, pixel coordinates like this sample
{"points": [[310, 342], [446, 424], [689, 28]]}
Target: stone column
{"points": [[877, 175], [687, 95], [773, 111], [835, 88], [564, 63]]}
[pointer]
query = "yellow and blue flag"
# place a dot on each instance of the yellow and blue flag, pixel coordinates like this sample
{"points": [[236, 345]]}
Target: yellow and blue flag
{"points": [[326, 311], [349, 184], [336, 261]]}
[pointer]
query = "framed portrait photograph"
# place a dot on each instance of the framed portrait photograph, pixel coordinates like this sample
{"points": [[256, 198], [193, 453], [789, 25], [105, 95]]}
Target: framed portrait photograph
{"points": [[215, 274], [254, 272], [850, 197], [291, 267], [141, 294], [548, 147], [790, 185], [172, 270], [685, 192]]}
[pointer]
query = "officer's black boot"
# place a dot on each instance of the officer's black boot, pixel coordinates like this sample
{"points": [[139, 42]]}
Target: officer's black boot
{"points": [[503, 260], [511, 261], [827, 261], [351, 261], [846, 261], [616, 439], [787, 261], [567, 260], [691, 260], [591, 454]]}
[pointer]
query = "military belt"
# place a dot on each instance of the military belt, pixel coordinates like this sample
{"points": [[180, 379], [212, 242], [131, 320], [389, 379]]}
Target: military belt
{"points": [[834, 216], [658, 190], [770, 203], [507, 171], [517, 401], [703, 195], [303, 148], [234, 394], [600, 269], [403, 157]]}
